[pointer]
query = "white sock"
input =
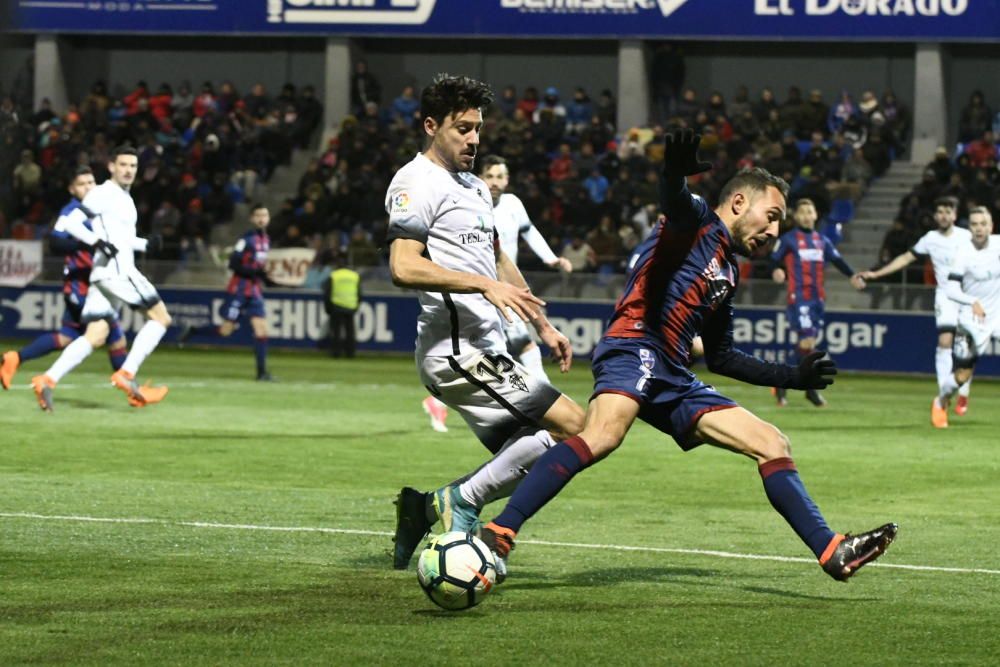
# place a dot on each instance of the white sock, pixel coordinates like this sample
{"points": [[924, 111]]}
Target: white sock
{"points": [[532, 360], [942, 364], [963, 390], [948, 388], [498, 477], [70, 358], [145, 342]]}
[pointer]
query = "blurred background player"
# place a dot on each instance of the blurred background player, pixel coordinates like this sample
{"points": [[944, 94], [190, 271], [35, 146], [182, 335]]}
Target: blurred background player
{"points": [[974, 283], [941, 245], [76, 280], [512, 224], [341, 298], [800, 257], [683, 284], [114, 280], [443, 243], [248, 262]]}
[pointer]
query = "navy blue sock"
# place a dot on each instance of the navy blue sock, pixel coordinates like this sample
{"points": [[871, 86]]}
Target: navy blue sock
{"points": [[260, 351], [550, 473], [117, 357], [39, 347], [788, 495]]}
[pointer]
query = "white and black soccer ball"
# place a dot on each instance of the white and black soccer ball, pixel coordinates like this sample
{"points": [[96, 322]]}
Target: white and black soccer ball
{"points": [[456, 570]]}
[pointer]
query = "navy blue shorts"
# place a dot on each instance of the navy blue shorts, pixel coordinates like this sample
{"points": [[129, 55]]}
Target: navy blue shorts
{"points": [[238, 304], [72, 326], [671, 399], [806, 318]]}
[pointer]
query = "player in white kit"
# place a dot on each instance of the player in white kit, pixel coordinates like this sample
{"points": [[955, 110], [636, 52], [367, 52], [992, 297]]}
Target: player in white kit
{"points": [[941, 245], [973, 284], [512, 224], [114, 281], [443, 243]]}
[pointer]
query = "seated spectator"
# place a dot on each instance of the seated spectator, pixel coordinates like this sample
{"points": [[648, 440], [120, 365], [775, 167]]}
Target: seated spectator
{"points": [[580, 255], [507, 102], [975, 119], [578, 112], [941, 165], [983, 150], [597, 186], [406, 106], [606, 245]]}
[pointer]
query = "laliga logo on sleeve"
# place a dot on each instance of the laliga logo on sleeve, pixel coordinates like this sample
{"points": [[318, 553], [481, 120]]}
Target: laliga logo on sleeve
{"points": [[382, 12], [401, 203]]}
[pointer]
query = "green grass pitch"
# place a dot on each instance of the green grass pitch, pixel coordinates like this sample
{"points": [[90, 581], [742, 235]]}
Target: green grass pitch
{"points": [[246, 523]]}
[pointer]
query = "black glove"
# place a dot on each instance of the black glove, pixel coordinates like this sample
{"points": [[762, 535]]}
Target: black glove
{"points": [[815, 371], [680, 155], [108, 249], [154, 244]]}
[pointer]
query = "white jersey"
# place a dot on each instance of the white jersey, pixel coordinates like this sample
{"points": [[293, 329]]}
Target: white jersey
{"points": [[452, 214], [512, 222], [942, 250], [979, 272], [114, 218]]}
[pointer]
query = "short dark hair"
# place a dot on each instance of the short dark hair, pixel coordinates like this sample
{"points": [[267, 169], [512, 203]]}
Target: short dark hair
{"points": [[491, 161], [980, 210], [802, 202], [754, 178], [450, 95], [82, 170], [124, 149], [946, 202], [257, 206]]}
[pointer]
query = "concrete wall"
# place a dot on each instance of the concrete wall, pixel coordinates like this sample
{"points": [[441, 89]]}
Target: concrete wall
{"points": [[968, 68], [15, 53], [565, 64], [829, 67], [244, 61]]}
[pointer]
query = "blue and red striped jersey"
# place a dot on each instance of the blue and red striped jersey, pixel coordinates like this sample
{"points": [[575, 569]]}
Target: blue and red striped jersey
{"points": [[247, 262], [78, 258], [681, 280], [803, 253]]}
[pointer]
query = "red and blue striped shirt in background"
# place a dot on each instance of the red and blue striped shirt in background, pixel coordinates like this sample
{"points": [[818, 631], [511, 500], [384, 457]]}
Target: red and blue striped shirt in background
{"points": [[803, 253], [248, 262]]}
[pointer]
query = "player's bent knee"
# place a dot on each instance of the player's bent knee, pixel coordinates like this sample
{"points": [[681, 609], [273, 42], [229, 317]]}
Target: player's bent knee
{"points": [[770, 443]]}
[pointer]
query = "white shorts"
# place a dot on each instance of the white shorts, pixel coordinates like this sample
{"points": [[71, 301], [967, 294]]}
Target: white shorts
{"points": [[107, 295], [945, 311], [972, 339], [496, 395]]}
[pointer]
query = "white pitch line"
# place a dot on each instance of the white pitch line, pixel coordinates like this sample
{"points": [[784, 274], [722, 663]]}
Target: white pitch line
{"points": [[546, 543]]}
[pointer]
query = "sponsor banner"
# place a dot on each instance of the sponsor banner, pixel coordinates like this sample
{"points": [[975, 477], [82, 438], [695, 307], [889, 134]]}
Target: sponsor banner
{"points": [[703, 19], [288, 266], [20, 262], [862, 341]]}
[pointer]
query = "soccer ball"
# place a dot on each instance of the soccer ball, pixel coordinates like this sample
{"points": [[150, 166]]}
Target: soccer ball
{"points": [[456, 570]]}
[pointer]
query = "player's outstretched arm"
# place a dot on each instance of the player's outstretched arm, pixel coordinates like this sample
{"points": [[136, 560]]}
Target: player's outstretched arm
{"points": [[409, 268], [680, 160], [815, 371], [900, 261]]}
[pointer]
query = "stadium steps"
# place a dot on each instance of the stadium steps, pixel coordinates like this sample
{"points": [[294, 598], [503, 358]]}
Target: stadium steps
{"points": [[875, 213]]}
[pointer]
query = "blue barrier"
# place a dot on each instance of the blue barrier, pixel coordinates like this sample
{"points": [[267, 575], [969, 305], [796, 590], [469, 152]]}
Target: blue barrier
{"points": [[856, 20], [868, 341]]}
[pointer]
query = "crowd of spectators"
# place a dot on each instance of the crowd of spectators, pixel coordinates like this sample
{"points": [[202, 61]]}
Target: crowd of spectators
{"points": [[588, 185], [968, 174], [200, 152]]}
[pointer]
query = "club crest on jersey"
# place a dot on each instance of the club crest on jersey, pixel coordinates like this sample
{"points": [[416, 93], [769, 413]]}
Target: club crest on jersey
{"points": [[401, 203], [719, 281]]}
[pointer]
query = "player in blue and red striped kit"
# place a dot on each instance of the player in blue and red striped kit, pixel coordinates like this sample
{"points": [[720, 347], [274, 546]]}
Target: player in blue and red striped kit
{"points": [[248, 262], [681, 284], [800, 257], [78, 262]]}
